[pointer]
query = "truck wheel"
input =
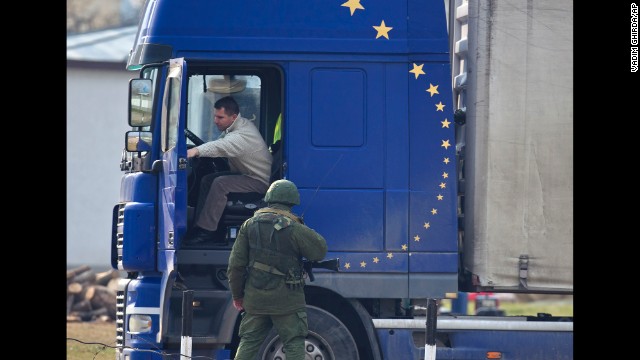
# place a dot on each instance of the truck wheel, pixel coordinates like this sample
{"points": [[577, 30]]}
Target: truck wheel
{"points": [[328, 339]]}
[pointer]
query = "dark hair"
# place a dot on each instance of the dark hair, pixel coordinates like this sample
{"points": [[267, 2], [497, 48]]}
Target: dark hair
{"points": [[229, 104]]}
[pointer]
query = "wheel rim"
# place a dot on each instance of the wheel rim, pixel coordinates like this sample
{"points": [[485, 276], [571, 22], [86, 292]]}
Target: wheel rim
{"points": [[327, 339], [315, 348]]}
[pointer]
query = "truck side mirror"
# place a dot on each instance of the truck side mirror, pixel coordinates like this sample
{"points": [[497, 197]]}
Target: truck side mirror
{"points": [[140, 102], [138, 141]]}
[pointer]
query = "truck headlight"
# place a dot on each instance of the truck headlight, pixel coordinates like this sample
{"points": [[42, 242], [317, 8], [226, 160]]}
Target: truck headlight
{"points": [[140, 324]]}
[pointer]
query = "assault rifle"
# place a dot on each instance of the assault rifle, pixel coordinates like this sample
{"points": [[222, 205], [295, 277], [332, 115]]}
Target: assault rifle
{"points": [[331, 264]]}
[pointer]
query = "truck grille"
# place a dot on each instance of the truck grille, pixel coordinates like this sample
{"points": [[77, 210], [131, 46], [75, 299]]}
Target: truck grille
{"points": [[120, 318], [120, 234]]}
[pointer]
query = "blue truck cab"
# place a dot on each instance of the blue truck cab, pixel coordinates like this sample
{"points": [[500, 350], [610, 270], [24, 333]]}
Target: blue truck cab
{"points": [[355, 102]]}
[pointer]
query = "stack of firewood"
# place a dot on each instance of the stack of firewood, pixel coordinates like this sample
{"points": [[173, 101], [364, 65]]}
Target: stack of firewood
{"points": [[90, 295]]}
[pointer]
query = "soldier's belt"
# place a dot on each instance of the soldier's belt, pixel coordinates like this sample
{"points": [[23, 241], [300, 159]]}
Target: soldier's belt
{"points": [[267, 268]]}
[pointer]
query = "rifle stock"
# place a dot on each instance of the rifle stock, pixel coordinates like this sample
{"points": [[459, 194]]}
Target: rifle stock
{"points": [[330, 264]]}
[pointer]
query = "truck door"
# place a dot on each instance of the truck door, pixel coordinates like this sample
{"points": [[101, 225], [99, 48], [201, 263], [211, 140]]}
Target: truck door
{"points": [[172, 201], [172, 193]]}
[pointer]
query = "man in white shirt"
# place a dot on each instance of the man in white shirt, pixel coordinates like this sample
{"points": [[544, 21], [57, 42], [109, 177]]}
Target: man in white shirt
{"points": [[249, 162]]}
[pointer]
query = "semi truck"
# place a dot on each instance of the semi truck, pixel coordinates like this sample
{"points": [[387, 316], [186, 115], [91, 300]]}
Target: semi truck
{"points": [[431, 143]]}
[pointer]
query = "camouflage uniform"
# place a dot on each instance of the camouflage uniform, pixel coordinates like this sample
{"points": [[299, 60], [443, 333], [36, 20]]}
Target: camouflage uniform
{"points": [[265, 271]]}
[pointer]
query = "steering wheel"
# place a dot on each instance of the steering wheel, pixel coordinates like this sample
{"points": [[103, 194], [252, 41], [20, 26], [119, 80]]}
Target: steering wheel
{"points": [[192, 163], [193, 137], [219, 163], [197, 167]]}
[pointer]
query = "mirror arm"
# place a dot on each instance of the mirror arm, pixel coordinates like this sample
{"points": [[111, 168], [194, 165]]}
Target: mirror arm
{"points": [[157, 166]]}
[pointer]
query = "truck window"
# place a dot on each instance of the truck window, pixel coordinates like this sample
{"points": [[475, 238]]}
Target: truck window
{"points": [[205, 90], [171, 109], [173, 112]]}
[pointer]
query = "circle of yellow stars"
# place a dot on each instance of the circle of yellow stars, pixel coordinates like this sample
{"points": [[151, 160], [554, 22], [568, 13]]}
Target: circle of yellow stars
{"points": [[382, 30], [418, 70]]}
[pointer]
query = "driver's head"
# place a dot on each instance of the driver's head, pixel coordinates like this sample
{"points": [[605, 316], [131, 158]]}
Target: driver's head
{"points": [[225, 113]]}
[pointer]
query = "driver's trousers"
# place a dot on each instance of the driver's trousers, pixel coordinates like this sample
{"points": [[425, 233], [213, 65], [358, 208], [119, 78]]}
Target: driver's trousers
{"points": [[212, 198]]}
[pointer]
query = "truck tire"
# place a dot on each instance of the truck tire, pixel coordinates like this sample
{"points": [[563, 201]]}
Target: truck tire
{"points": [[328, 339]]}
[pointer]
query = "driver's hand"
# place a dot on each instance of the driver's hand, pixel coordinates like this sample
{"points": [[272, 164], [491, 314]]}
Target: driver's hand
{"points": [[193, 152]]}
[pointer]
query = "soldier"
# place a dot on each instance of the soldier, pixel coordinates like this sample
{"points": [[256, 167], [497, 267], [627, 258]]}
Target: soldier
{"points": [[266, 276]]}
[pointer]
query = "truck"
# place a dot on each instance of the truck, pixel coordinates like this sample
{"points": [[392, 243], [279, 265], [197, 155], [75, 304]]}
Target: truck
{"points": [[431, 143]]}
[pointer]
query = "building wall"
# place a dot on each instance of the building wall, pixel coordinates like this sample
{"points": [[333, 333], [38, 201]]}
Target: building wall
{"points": [[93, 15], [96, 124]]}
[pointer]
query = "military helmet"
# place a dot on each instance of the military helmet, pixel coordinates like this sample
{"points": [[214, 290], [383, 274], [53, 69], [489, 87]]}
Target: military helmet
{"points": [[284, 192]]}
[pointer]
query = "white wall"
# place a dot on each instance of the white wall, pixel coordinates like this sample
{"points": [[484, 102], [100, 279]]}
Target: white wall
{"points": [[96, 123]]}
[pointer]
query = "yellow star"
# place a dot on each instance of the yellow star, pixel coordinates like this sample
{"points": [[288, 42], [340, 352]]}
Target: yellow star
{"points": [[416, 238], [440, 106], [417, 70], [347, 265], [440, 197], [445, 123], [445, 144], [443, 185], [389, 255], [445, 175], [363, 264], [353, 5], [376, 260], [426, 225], [404, 247], [383, 30], [433, 89], [434, 211], [446, 160]]}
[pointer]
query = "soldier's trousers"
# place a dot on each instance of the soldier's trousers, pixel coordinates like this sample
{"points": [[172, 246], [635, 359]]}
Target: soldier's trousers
{"points": [[292, 329]]}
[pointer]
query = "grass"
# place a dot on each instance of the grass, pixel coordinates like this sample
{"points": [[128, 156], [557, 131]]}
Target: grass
{"points": [[555, 308], [91, 332]]}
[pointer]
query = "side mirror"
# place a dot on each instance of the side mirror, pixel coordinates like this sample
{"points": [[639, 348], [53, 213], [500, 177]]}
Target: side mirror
{"points": [[139, 141], [140, 102]]}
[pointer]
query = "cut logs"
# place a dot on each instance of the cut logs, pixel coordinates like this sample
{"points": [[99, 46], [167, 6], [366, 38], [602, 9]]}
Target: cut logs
{"points": [[90, 295]]}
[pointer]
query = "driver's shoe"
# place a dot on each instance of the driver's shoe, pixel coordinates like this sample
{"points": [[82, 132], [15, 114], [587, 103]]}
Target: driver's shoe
{"points": [[198, 236]]}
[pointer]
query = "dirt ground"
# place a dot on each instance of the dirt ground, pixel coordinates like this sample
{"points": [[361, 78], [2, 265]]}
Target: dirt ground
{"points": [[99, 332]]}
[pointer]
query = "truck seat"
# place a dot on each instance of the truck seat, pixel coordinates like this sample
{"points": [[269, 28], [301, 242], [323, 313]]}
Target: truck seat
{"points": [[241, 206]]}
